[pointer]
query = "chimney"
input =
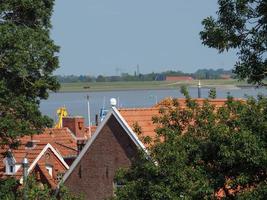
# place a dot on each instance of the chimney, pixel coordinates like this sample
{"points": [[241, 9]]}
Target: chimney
{"points": [[76, 125]]}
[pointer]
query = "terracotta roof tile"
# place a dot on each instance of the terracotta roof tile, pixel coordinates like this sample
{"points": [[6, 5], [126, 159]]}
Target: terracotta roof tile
{"points": [[60, 138], [52, 182], [200, 101], [143, 116]]}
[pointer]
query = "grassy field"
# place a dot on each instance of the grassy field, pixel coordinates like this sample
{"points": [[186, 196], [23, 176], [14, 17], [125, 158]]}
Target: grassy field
{"points": [[109, 86]]}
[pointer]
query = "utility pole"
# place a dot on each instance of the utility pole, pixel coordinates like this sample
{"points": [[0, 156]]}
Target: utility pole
{"points": [[199, 89], [25, 165], [89, 117]]}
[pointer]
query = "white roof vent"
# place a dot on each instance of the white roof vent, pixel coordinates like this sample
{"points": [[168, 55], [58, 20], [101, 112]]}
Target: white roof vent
{"points": [[113, 102]]}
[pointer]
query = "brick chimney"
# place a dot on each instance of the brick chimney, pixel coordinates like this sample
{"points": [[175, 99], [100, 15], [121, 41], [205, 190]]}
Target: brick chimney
{"points": [[76, 125]]}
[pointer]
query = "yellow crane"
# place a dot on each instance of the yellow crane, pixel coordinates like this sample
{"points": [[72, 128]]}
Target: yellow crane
{"points": [[61, 112]]}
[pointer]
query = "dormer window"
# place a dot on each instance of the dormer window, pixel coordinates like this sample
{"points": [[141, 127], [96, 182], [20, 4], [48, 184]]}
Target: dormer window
{"points": [[10, 164], [31, 144]]}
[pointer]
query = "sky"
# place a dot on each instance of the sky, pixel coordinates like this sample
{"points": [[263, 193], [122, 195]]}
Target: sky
{"points": [[110, 37]]}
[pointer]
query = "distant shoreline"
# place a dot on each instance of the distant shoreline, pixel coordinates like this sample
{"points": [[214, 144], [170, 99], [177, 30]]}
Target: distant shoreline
{"points": [[80, 87]]}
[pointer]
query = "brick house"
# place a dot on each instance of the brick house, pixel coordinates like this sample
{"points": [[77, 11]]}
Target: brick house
{"points": [[45, 163], [113, 146], [49, 154]]}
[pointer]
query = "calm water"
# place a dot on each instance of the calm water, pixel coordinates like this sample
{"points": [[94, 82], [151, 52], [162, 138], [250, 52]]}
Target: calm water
{"points": [[76, 103]]}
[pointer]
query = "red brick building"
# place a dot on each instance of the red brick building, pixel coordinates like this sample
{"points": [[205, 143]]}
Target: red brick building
{"points": [[179, 78], [49, 154], [45, 163], [113, 146]]}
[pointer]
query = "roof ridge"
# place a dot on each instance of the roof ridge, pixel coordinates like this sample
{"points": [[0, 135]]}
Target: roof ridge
{"points": [[53, 128], [144, 108]]}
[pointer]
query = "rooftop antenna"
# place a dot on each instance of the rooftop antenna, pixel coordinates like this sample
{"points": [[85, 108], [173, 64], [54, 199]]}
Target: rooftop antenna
{"points": [[199, 89], [104, 102], [88, 113]]}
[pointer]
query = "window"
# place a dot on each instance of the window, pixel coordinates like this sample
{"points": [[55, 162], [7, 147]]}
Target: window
{"points": [[80, 171], [80, 125], [59, 176], [11, 169], [49, 168]]}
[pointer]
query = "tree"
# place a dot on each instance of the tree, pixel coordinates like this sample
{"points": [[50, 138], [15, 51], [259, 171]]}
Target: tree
{"points": [[212, 93], [28, 57], [9, 190], [202, 152], [100, 78], [241, 25]]}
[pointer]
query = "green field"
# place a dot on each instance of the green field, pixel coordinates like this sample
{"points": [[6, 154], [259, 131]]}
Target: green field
{"points": [[140, 85]]}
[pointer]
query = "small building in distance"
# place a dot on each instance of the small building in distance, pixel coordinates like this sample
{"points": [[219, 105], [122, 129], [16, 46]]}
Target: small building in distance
{"points": [[225, 76], [178, 78]]}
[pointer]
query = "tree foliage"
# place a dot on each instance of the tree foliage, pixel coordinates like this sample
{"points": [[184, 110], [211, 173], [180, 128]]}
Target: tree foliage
{"points": [[199, 74], [212, 93], [203, 152], [10, 190], [241, 25], [7, 188], [28, 58]]}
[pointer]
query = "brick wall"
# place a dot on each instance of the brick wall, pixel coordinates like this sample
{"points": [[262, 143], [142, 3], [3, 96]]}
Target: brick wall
{"points": [[50, 159], [76, 125], [93, 176]]}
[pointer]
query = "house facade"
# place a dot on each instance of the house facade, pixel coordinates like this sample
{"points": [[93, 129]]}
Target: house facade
{"points": [[49, 154], [44, 162], [113, 146]]}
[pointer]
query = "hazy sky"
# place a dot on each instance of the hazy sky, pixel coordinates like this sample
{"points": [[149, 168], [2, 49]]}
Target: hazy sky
{"points": [[113, 36]]}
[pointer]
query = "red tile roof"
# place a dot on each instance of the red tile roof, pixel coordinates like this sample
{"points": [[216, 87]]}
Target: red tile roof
{"points": [[87, 133], [143, 116], [182, 102], [61, 139], [19, 154], [37, 159], [51, 182]]}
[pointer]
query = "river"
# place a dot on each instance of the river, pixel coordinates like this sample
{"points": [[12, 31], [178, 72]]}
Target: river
{"points": [[76, 103]]}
